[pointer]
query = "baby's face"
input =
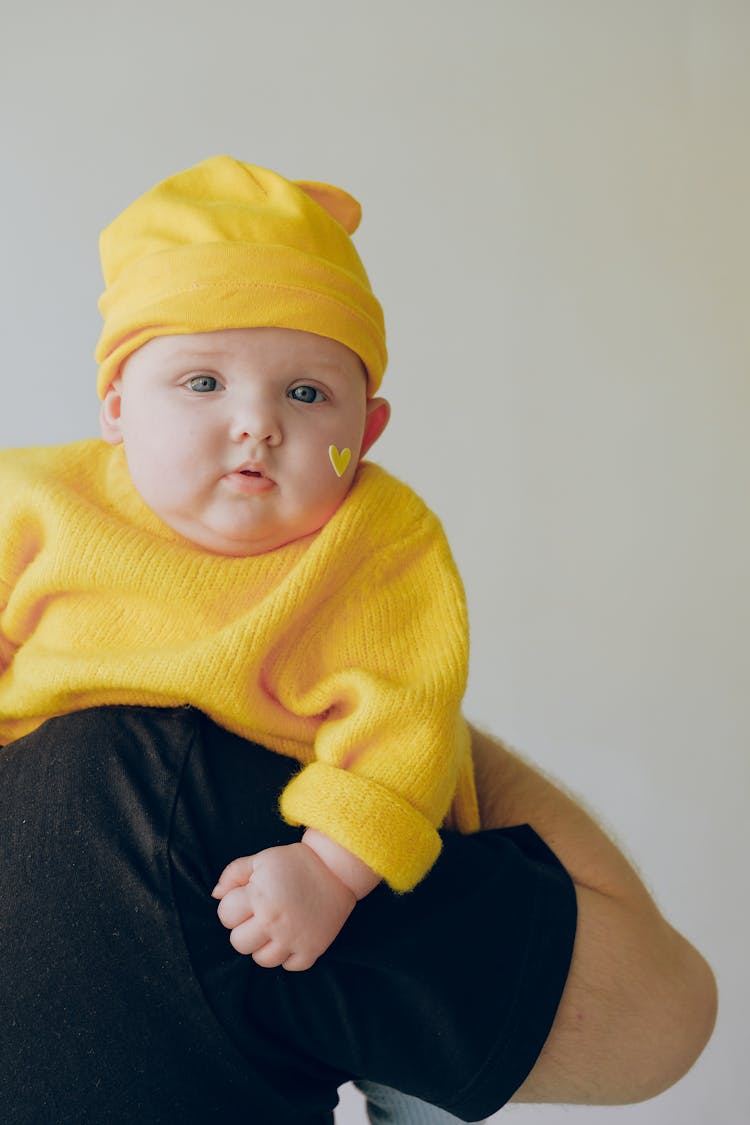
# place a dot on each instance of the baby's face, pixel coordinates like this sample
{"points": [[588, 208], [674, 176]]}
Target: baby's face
{"points": [[227, 434]]}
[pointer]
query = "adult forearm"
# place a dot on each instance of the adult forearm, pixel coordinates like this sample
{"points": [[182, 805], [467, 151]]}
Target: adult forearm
{"points": [[513, 791], [640, 1001]]}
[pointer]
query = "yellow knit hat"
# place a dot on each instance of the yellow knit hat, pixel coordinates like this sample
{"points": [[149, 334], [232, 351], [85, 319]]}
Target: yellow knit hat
{"points": [[231, 245]]}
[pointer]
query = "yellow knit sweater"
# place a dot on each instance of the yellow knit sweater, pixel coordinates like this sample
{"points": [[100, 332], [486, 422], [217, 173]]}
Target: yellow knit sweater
{"points": [[346, 650]]}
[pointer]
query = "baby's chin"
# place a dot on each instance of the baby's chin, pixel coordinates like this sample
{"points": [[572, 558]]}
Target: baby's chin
{"points": [[237, 542], [234, 530]]}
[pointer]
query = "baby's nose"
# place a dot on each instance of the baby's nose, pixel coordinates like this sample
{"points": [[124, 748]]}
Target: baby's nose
{"points": [[257, 423]]}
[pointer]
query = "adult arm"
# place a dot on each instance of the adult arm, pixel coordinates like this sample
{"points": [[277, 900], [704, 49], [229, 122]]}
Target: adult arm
{"points": [[640, 1002]]}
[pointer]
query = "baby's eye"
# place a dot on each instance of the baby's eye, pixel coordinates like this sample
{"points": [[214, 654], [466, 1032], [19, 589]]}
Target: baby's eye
{"points": [[306, 393], [202, 383]]}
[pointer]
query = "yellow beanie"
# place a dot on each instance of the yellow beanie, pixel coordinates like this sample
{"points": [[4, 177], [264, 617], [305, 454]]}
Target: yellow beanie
{"points": [[231, 245]]}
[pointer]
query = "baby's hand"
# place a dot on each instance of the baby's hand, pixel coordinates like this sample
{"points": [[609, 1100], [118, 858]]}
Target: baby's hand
{"points": [[283, 905]]}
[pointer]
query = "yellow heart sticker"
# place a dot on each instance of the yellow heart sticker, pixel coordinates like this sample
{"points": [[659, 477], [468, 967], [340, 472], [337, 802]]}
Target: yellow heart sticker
{"points": [[339, 460]]}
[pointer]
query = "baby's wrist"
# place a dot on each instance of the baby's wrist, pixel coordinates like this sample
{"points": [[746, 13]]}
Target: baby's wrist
{"points": [[348, 868]]}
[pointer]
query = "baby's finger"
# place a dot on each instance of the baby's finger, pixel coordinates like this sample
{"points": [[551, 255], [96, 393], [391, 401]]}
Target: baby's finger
{"points": [[235, 874], [235, 907], [249, 937], [297, 962], [270, 955]]}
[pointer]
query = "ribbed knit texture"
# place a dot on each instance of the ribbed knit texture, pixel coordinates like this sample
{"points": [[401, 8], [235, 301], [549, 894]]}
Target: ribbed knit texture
{"points": [[346, 650], [231, 245]]}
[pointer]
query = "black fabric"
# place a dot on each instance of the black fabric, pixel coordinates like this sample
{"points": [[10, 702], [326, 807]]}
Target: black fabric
{"points": [[122, 1001]]}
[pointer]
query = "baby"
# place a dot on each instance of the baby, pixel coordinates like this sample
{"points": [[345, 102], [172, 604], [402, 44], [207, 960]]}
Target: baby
{"points": [[225, 546]]}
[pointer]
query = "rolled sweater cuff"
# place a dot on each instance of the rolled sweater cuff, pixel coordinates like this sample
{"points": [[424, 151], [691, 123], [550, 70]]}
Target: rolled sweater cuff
{"points": [[373, 822]]}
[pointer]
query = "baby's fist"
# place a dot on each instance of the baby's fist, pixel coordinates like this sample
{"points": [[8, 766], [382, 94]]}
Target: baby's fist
{"points": [[283, 906]]}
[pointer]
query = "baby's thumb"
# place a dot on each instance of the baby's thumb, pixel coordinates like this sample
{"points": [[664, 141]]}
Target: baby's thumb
{"points": [[235, 874]]}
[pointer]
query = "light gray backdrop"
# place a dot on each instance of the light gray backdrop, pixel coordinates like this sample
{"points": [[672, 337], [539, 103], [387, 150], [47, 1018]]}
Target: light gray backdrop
{"points": [[556, 220]]}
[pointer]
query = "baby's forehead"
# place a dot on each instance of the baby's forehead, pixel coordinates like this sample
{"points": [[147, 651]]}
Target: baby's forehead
{"points": [[257, 348]]}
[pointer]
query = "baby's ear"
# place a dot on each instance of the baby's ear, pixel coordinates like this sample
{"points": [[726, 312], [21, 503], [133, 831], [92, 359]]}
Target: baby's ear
{"points": [[378, 413], [109, 414]]}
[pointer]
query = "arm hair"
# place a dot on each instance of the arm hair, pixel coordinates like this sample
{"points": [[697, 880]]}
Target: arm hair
{"points": [[640, 1002]]}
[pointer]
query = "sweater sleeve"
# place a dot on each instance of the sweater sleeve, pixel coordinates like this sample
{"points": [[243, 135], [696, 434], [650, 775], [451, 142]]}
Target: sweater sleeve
{"points": [[6, 648], [24, 476], [393, 748], [12, 547]]}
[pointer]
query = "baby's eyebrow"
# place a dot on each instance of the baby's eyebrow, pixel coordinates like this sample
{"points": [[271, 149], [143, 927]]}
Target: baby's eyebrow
{"points": [[198, 352]]}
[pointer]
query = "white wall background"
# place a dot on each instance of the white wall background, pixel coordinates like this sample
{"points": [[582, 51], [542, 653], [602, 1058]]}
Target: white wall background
{"points": [[556, 220]]}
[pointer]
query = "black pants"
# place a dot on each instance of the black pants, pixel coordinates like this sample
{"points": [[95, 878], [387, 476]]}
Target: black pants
{"points": [[121, 1000]]}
